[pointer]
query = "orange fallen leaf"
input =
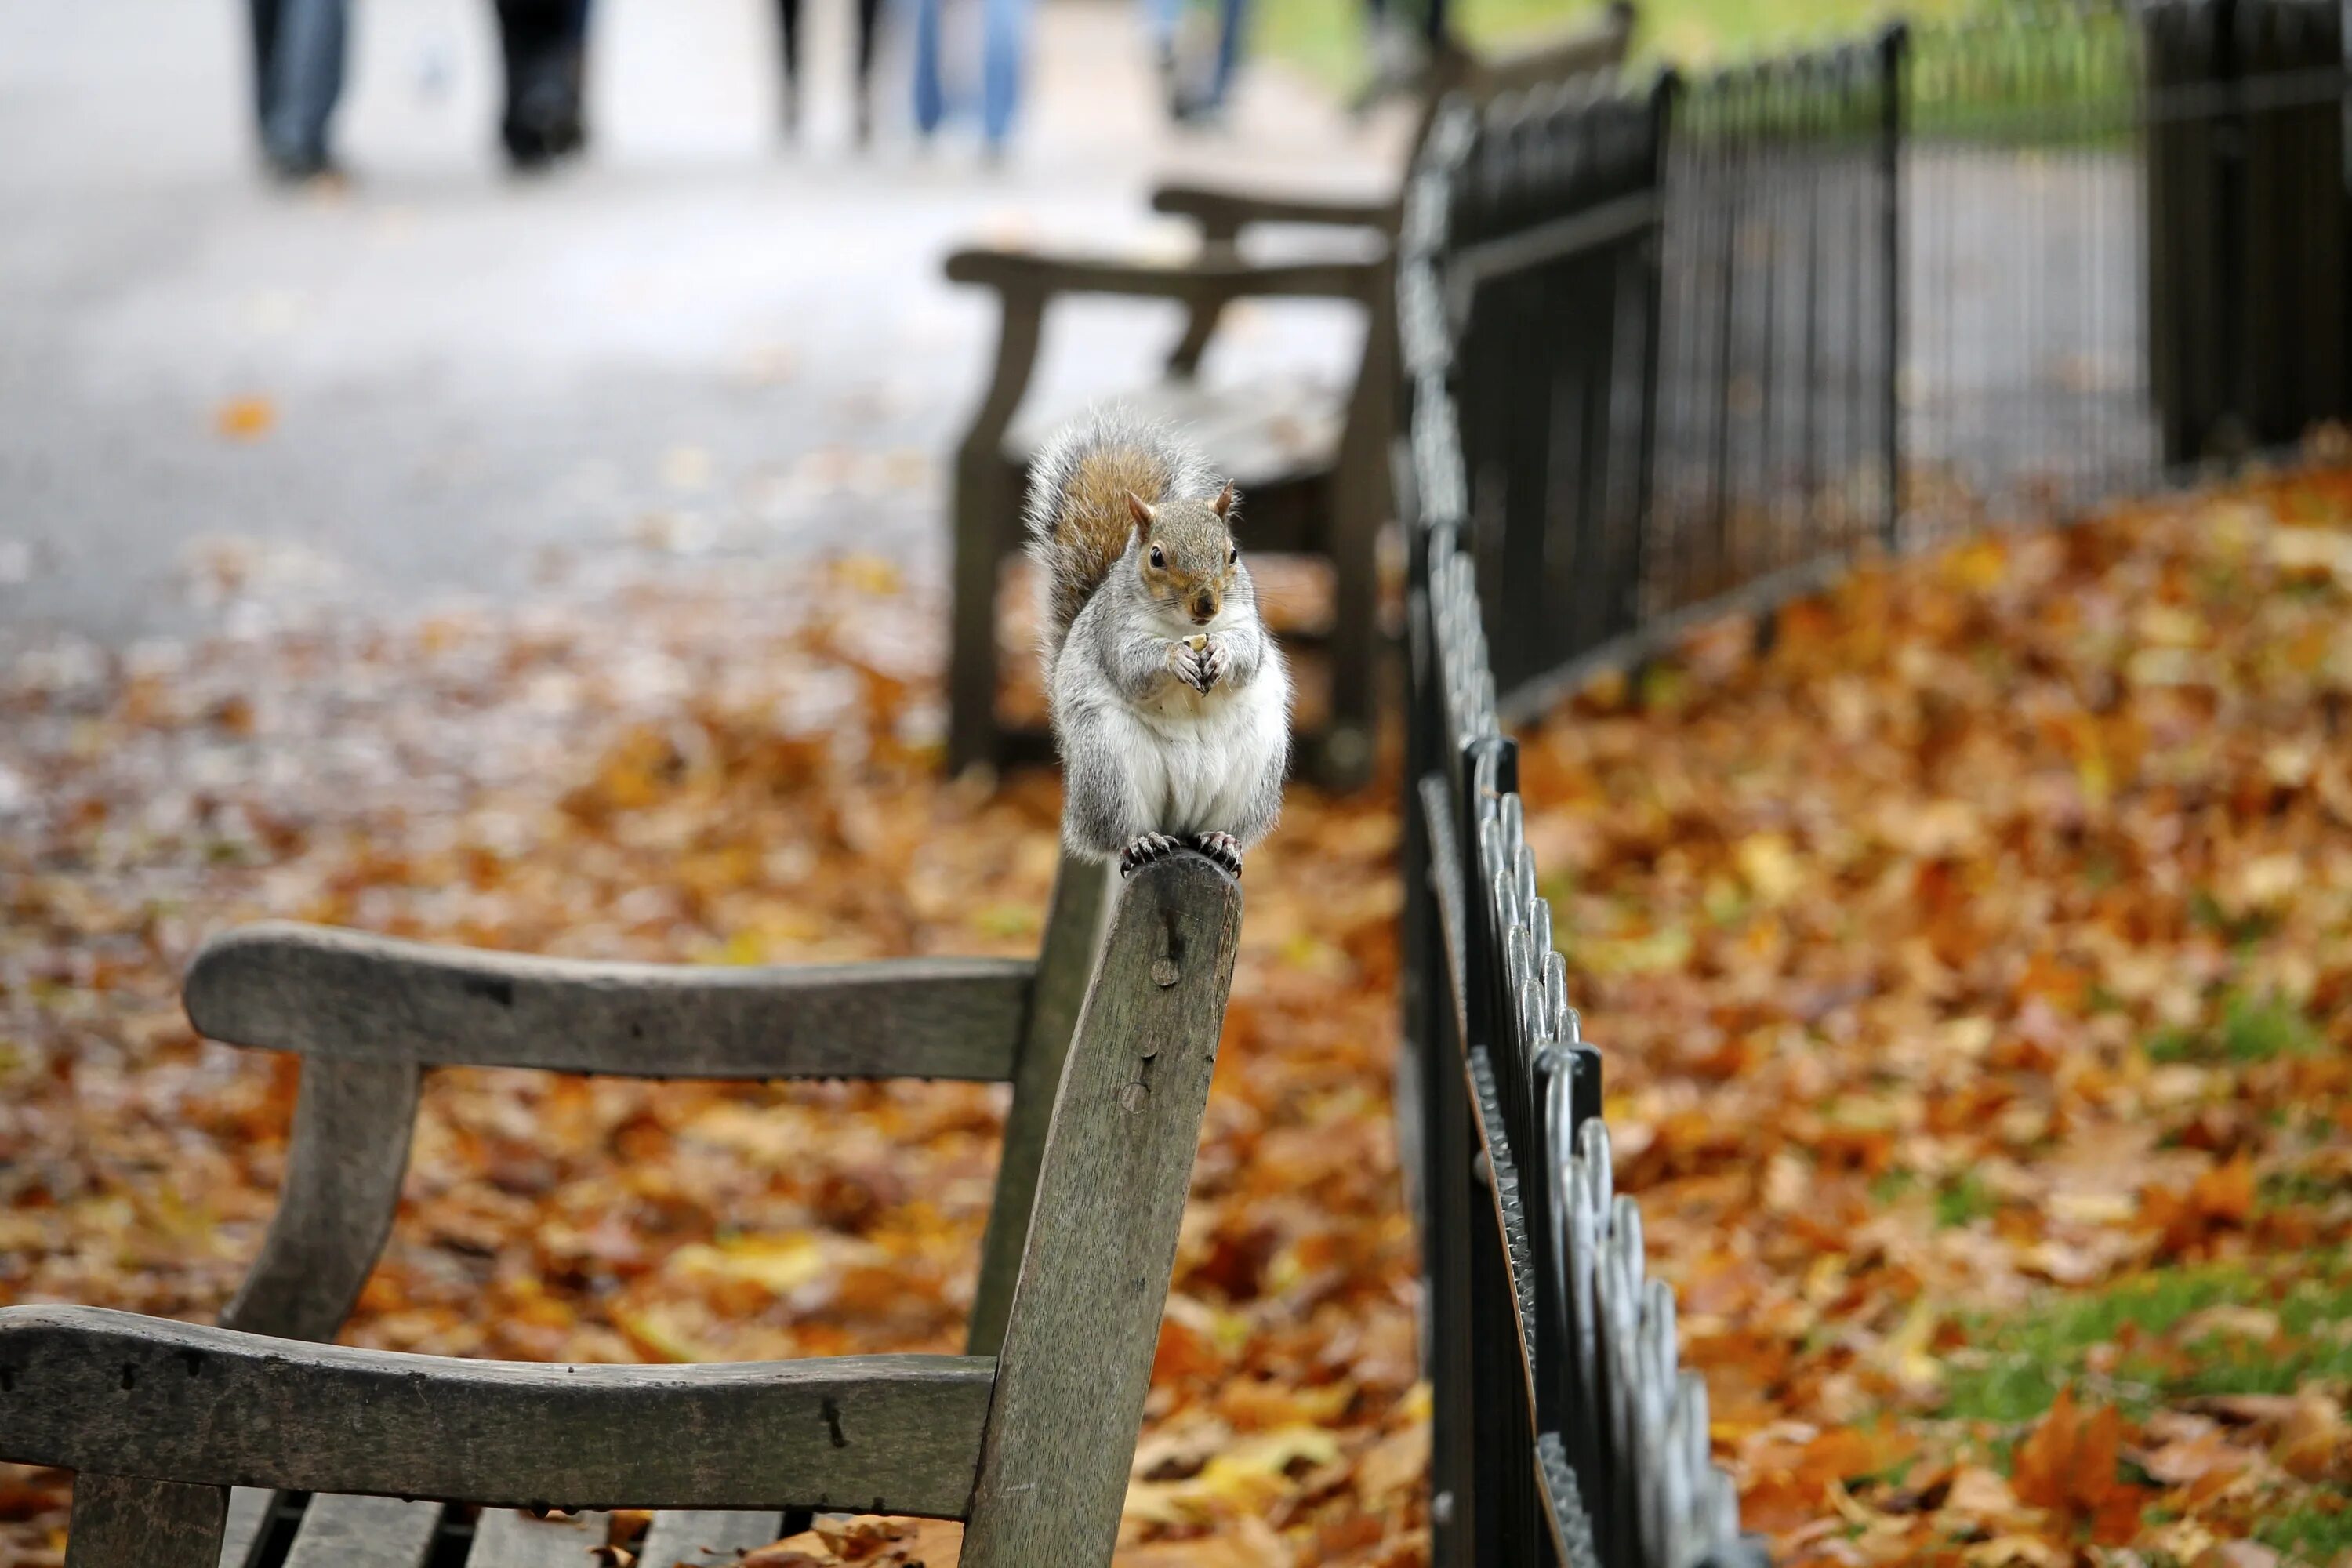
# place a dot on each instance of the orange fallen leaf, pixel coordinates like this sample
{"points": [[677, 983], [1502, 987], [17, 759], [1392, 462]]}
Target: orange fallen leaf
{"points": [[245, 418]]}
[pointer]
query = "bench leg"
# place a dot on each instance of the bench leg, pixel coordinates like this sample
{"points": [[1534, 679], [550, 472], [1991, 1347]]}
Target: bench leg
{"points": [[122, 1523]]}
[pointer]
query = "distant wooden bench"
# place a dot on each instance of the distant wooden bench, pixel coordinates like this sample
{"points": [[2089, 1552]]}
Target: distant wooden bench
{"points": [[1311, 460], [1107, 1040]]}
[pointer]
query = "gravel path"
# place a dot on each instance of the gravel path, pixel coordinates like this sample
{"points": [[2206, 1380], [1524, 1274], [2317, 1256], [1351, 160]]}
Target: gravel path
{"points": [[697, 343]]}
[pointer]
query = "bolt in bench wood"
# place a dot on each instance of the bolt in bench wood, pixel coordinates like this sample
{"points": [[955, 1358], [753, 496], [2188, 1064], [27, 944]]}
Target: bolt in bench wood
{"points": [[188, 1441]]}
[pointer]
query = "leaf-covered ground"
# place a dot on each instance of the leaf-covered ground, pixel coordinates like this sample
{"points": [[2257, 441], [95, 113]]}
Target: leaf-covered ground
{"points": [[1972, 968]]}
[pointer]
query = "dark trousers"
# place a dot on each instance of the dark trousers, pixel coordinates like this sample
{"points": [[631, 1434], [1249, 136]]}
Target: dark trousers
{"points": [[298, 75], [787, 21], [545, 43]]}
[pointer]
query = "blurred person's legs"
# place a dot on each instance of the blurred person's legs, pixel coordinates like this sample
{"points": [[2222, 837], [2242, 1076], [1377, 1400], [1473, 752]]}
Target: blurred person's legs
{"points": [[545, 45], [930, 98], [870, 23], [1160, 21], [299, 48], [788, 30], [264, 13], [1233, 32], [1004, 25]]}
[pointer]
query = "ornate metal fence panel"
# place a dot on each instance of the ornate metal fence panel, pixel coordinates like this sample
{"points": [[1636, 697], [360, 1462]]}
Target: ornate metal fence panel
{"points": [[1681, 351], [1564, 1431]]}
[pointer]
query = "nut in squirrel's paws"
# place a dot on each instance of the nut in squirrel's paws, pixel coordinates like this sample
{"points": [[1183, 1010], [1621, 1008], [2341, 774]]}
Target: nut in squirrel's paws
{"points": [[1221, 847], [1186, 662], [1143, 851]]}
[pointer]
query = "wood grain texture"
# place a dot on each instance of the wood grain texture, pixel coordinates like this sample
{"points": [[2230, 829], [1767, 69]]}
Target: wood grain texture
{"points": [[88, 1389], [506, 1540], [689, 1538], [343, 1165], [249, 1512], [1110, 1193], [1074, 925], [365, 1533], [345, 995], [119, 1523]]}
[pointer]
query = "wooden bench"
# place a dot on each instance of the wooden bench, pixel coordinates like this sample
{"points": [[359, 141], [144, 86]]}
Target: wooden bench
{"points": [[193, 1446], [1311, 460]]}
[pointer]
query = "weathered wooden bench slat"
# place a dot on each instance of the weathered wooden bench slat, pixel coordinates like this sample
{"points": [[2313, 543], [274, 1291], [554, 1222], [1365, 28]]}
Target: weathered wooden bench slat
{"points": [[248, 1519], [119, 1523], [87, 1389], [1086, 1315], [700, 1538], [504, 1539], [1074, 934], [323, 992], [365, 1533]]}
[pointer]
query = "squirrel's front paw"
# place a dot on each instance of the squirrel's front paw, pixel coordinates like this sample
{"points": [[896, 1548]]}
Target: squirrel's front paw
{"points": [[1221, 847], [1143, 851], [1195, 667], [1213, 662]]}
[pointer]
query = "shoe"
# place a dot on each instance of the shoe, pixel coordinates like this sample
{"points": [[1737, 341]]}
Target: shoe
{"points": [[310, 168]]}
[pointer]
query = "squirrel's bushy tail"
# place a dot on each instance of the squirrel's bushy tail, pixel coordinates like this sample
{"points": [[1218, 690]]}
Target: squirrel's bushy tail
{"points": [[1077, 513]]}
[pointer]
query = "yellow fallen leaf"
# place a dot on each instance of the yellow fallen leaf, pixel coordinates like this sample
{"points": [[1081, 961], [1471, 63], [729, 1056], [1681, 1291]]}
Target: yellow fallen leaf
{"points": [[245, 418]]}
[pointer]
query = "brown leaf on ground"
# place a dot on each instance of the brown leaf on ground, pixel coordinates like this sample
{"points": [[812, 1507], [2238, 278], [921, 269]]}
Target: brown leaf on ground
{"points": [[2068, 1465]]}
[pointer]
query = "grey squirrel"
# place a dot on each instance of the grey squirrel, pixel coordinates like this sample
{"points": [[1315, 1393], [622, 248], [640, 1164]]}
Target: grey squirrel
{"points": [[1170, 704]]}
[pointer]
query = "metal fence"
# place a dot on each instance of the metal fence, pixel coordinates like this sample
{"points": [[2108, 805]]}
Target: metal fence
{"points": [[1563, 1432], [1672, 351]]}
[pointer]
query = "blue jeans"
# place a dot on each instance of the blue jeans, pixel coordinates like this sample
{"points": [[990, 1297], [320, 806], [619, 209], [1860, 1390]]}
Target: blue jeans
{"points": [[299, 48], [1004, 37], [1233, 22]]}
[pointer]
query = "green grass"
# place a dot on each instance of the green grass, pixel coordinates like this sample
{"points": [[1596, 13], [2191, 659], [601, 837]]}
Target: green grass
{"points": [[1326, 37], [1963, 1200], [2022, 1361], [2308, 1533], [2250, 1029]]}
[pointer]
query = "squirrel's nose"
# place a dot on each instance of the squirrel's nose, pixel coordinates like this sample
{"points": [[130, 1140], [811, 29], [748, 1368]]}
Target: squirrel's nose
{"points": [[1204, 609]]}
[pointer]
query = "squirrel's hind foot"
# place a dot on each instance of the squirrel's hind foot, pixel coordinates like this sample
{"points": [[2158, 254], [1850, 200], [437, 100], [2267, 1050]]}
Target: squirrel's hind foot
{"points": [[1221, 847], [1143, 851]]}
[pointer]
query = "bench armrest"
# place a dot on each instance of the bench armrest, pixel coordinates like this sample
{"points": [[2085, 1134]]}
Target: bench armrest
{"points": [[1036, 276], [1223, 212], [346, 995], [119, 1394], [1028, 280]]}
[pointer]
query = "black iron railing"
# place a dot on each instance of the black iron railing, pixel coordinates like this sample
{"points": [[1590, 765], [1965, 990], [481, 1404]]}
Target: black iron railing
{"points": [[1672, 352], [1563, 1432]]}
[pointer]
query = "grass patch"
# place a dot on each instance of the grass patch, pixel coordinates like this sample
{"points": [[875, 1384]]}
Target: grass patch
{"points": [[2022, 1362], [2315, 1535], [1325, 38], [1964, 1200], [2250, 1029]]}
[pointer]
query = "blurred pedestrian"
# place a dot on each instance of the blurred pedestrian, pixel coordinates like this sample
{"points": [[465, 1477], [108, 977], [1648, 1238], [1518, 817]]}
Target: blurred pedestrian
{"points": [[298, 75], [1004, 39], [1406, 38], [787, 21], [545, 43], [1189, 100]]}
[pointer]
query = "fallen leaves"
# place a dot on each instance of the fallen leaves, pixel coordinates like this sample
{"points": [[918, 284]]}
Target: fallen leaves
{"points": [[1977, 951], [2068, 1465], [1974, 971], [725, 767]]}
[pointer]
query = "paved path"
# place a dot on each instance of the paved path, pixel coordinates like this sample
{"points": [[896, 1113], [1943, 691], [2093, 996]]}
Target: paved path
{"points": [[695, 342]]}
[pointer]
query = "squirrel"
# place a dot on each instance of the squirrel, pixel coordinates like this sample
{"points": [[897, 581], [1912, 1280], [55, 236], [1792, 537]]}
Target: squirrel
{"points": [[1170, 704]]}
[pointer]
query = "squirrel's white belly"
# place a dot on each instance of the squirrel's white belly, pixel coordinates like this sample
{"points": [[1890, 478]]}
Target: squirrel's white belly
{"points": [[1199, 760]]}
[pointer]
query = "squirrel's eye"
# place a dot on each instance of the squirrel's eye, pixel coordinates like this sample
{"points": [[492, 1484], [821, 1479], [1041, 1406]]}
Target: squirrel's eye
{"points": [[1157, 560], [1232, 553]]}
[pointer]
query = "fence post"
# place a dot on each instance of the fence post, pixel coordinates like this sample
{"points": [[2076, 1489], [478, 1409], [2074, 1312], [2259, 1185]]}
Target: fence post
{"points": [[1663, 95], [1893, 49]]}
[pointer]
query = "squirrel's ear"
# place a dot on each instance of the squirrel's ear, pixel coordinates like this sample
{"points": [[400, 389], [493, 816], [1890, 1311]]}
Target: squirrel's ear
{"points": [[1140, 509], [1224, 501]]}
